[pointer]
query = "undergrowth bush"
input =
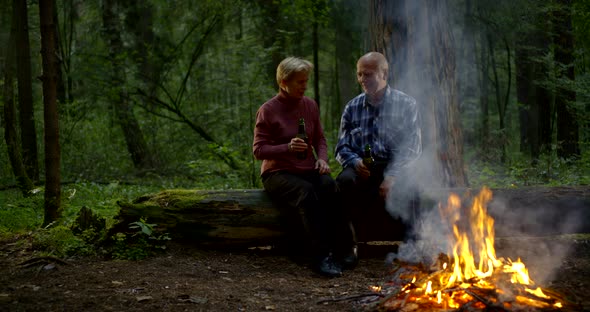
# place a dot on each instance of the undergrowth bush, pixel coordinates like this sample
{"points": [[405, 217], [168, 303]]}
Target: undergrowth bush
{"points": [[59, 241], [140, 244]]}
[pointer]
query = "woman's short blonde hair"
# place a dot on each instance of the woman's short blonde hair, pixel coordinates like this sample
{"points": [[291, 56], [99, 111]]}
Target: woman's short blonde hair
{"points": [[291, 65]]}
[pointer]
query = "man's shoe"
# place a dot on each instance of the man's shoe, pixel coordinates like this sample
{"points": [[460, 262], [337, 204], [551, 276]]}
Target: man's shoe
{"points": [[328, 267], [351, 259]]}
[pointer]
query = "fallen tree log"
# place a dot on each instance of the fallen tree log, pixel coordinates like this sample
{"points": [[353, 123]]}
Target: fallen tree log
{"points": [[238, 218]]}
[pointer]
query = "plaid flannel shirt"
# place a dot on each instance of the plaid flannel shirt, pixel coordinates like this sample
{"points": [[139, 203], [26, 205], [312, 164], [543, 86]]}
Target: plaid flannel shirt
{"points": [[392, 128]]}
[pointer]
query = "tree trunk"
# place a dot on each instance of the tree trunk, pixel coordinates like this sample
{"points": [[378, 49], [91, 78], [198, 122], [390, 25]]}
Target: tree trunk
{"points": [[388, 31], [416, 38], [10, 129], [535, 99], [61, 86], [49, 78], [484, 93], [501, 104], [316, 61], [245, 218], [523, 94], [25, 90], [67, 42], [139, 20], [346, 54], [567, 122], [271, 21], [134, 138]]}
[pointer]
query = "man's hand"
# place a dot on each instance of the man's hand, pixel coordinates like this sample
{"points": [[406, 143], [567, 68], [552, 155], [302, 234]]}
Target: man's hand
{"points": [[297, 145], [386, 185], [361, 169], [322, 166]]}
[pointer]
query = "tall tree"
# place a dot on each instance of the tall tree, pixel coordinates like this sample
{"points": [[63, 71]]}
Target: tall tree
{"points": [[65, 40], [416, 38], [9, 120], [484, 91], [25, 90], [567, 123], [61, 87], [146, 54], [533, 95], [270, 25], [50, 115], [134, 138], [347, 47]]}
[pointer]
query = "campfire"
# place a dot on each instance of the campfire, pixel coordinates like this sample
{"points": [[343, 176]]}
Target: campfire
{"points": [[470, 277]]}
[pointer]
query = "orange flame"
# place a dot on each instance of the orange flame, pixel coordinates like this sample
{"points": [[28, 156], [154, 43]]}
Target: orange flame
{"points": [[474, 262]]}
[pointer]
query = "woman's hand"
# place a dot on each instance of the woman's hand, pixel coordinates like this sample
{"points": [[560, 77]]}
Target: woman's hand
{"points": [[297, 145], [322, 166]]}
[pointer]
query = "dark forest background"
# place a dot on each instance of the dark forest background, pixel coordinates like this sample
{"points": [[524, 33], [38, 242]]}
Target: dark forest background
{"points": [[114, 98]]}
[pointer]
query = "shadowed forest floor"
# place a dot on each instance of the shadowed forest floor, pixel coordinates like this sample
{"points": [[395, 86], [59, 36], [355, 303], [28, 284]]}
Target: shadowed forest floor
{"points": [[186, 278]]}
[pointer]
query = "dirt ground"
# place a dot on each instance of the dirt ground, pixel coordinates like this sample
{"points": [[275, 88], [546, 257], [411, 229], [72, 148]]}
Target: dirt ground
{"points": [[190, 279]]}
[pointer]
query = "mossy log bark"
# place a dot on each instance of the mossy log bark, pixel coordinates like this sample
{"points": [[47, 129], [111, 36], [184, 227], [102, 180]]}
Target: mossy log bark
{"points": [[238, 218], [217, 218]]}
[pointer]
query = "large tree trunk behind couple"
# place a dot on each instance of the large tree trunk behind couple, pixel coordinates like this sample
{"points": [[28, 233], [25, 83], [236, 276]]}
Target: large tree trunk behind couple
{"points": [[416, 38]]}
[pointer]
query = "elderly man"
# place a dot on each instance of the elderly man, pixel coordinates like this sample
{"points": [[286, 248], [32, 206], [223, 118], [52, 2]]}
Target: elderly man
{"points": [[388, 121]]}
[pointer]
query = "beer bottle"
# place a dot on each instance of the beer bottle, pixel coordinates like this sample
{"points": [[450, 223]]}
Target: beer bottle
{"points": [[302, 135], [367, 157]]}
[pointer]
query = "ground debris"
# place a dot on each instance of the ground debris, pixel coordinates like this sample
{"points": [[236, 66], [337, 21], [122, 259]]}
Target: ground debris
{"points": [[42, 261]]}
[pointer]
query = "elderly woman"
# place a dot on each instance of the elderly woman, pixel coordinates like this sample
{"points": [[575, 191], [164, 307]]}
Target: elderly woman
{"points": [[295, 171]]}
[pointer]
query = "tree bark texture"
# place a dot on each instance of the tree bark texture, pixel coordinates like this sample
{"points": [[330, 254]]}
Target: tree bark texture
{"points": [[247, 218], [50, 115], [61, 87], [136, 145], [416, 38], [10, 123], [225, 218], [25, 90]]}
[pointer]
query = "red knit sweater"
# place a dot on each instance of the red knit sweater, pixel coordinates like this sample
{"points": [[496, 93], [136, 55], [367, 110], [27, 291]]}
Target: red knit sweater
{"points": [[277, 123]]}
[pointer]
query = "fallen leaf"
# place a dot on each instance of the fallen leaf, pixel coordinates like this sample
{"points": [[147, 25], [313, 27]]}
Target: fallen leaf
{"points": [[187, 298], [143, 298]]}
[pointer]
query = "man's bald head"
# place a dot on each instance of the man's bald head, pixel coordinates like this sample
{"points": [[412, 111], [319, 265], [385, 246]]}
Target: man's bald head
{"points": [[371, 70], [376, 59]]}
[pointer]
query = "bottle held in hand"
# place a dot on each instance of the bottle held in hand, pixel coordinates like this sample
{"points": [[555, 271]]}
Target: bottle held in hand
{"points": [[367, 157], [302, 135]]}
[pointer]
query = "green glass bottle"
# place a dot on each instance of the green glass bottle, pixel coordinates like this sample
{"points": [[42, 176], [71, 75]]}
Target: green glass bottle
{"points": [[302, 135], [367, 157]]}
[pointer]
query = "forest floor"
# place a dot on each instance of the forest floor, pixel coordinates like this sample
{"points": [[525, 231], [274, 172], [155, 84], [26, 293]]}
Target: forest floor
{"points": [[186, 278]]}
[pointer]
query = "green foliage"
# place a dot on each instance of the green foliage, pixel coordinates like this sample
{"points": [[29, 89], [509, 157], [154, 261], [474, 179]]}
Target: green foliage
{"points": [[142, 243], [549, 170], [59, 241], [20, 214]]}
